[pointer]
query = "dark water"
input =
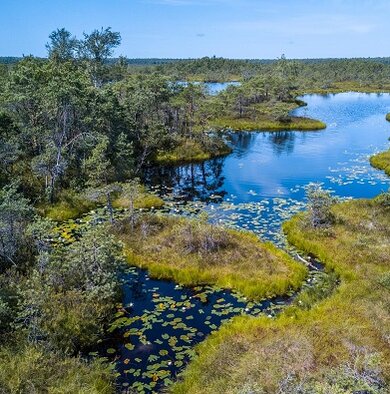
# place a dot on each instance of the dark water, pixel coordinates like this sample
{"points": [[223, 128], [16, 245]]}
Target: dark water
{"points": [[263, 181], [160, 323]]}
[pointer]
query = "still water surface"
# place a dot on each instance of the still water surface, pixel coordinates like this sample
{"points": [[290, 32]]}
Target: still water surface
{"points": [[263, 181]]}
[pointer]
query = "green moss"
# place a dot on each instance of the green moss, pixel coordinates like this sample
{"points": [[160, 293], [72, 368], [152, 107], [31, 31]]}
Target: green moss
{"points": [[191, 151], [291, 123], [145, 201], [193, 253], [313, 346], [381, 161]]}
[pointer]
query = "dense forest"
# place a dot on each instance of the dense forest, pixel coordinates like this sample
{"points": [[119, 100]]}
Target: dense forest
{"points": [[78, 130]]}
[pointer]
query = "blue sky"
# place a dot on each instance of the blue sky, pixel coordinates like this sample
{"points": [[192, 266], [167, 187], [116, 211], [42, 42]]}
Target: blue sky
{"points": [[195, 28]]}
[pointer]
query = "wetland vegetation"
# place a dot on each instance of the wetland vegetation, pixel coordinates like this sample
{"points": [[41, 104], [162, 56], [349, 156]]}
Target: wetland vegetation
{"points": [[85, 301]]}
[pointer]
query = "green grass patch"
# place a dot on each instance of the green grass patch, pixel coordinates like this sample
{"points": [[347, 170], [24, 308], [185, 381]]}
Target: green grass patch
{"points": [[193, 252], [388, 117], [190, 150], [246, 124], [71, 205], [381, 161], [338, 345], [25, 368], [144, 200], [348, 86]]}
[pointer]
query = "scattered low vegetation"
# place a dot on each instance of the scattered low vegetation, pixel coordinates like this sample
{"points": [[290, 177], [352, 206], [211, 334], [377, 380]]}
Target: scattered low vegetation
{"points": [[194, 252], [337, 344]]}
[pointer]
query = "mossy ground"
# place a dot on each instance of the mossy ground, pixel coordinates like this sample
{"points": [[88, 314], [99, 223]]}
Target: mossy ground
{"points": [[327, 347], [381, 161], [72, 205], [189, 151], [193, 253]]}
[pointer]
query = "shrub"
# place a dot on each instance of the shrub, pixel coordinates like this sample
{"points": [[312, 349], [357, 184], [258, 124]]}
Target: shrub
{"points": [[319, 206]]}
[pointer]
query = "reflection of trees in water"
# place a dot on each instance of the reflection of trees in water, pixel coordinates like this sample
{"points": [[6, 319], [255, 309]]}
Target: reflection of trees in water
{"points": [[242, 142], [282, 141], [191, 181]]}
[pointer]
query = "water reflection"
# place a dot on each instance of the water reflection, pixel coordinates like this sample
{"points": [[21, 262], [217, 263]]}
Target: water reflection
{"points": [[200, 181], [282, 142]]}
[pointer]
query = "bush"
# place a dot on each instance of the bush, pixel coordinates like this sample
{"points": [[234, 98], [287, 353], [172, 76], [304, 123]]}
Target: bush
{"points": [[71, 294], [384, 199], [319, 204]]}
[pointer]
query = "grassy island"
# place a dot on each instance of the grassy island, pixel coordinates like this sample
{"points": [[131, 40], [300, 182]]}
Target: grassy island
{"points": [[194, 252], [381, 161], [290, 123], [332, 347], [190, 151], [388, 117]]}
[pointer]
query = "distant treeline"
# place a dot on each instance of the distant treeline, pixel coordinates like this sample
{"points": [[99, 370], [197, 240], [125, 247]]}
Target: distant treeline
{"points": [[159, 61]]}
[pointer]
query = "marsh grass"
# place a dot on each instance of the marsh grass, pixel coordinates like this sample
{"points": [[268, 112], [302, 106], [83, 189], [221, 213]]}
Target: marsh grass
{"points": [[193, 252], [26, 368], [189, 151], [144, 200], [71, 205], [381, 161], [324, 345]]}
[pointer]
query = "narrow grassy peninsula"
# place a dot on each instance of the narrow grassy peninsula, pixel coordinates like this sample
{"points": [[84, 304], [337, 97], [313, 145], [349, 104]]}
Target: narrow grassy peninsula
{"points": [[194, 252], [381, 161], [339, 344], [267, 124]]}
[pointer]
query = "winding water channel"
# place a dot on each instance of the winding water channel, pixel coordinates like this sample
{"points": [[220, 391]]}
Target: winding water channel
{"points": [[259, 185]]}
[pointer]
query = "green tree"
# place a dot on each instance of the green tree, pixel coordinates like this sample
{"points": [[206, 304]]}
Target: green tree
{"points": [[15, 214], [100, 173], [62, 45], [96, 47]]}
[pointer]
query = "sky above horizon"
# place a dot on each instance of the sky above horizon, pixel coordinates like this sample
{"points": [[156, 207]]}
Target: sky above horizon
{"points": [[195, 28]]}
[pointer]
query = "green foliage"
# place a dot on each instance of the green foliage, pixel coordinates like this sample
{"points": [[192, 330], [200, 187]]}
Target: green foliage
{"points": [[15, 214], [62, 45], [72, 292]]}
